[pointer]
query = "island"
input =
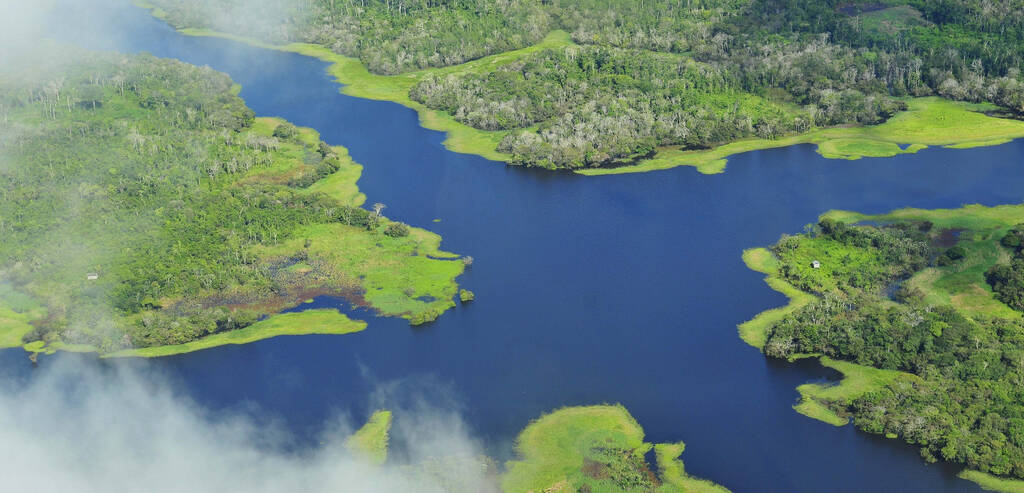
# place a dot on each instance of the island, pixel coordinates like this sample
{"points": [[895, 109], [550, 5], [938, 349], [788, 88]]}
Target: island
{"points": [[147, 211], [599, 88], [921, 312], [573, 449]]}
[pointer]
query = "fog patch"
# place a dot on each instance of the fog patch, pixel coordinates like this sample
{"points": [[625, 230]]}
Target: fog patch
{"points": [[75, 427]]}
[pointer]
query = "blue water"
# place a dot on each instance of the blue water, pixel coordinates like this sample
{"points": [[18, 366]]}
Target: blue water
{"points": [[611, 289]]}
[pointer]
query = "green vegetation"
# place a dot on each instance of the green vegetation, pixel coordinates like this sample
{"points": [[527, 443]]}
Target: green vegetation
{"points": [[928, 121], [325, 321], [593, 448], [906, 311], [466, 295], [371, 441], [646, 85], [169, 216], [993, 483]]}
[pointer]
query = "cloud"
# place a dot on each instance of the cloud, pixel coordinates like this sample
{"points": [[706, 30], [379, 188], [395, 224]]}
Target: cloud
{"points": [[76, 427]]}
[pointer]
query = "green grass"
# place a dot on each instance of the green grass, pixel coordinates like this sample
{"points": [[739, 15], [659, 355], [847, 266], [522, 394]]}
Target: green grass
{"points": [[371, 441], [755, 330], [552, 448], [359, 82], [891, 21], [392, 273], [993, 483], [578, 448], [16, 311], [929, 121], [962, 284], [673, 474], [325, 321], [857, 380]]}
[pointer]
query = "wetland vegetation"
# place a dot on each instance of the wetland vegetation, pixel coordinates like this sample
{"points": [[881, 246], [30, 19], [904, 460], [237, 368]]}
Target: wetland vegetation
{"points": [[147, 211], [918, 310], [601, 87]]}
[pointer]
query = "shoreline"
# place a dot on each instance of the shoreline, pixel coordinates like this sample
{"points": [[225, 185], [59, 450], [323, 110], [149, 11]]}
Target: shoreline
{"points": [[856, 379], [386, 269], [929, 121]]}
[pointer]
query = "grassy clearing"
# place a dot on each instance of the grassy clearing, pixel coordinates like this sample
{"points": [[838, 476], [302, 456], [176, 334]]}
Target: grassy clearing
{"points": [[928, 122], [754, 331], [403, 276], [326, 321], [993, 483], [857, 380], [371, 441], [16, 311], [963, 284]]}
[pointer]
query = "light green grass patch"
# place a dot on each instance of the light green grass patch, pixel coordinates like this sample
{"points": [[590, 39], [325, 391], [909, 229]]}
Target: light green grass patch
{"points": [[891, 21], [586, 448], [993, 483], [324, 321], [673, 474], [359, 82], [930, 121], [393, 273], [371, 441], [962, 284], [857, 381], [552, 448], [755, 330]]}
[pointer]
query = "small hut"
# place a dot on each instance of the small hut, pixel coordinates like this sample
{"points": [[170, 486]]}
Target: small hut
{"points": [[92, 276], [815, 264]]}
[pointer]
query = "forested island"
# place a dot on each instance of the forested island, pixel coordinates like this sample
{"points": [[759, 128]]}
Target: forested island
{"points": [[635, 85], [145, 210], [921, 310], [574, 449]]}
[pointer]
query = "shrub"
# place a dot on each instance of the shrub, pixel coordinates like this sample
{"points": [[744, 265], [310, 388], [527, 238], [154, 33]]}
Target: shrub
{"points": [[396, 230], [286, 131]]}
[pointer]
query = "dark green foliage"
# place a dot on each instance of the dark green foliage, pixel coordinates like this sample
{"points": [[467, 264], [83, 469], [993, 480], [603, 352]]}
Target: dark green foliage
{"points": [[1014, 238], [656, 73], [145, 183], [968, 406], [286, 131], [1007, 282], [396, 230], [951, 255]]}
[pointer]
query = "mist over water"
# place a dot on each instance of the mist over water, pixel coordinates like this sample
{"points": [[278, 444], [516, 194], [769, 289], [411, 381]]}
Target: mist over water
{"points": [[614, 289], [127, 428]]}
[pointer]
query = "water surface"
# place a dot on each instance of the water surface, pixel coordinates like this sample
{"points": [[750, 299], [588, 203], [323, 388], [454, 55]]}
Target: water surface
{"points": [[588, 290]]}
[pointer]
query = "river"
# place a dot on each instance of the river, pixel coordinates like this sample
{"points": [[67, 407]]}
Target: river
{"points": [[588, 290]]}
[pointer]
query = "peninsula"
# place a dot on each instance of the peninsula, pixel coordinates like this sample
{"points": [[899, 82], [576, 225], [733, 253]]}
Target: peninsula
{"points": [[921, 311], [146, 211]]}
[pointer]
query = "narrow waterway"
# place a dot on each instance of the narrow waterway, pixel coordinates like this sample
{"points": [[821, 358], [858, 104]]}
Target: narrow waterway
{"points": [[588, 290]]}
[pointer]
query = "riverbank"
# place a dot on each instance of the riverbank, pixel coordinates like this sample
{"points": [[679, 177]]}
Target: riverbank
{"points": [[928, 121], [970, 238], [231, 219]]}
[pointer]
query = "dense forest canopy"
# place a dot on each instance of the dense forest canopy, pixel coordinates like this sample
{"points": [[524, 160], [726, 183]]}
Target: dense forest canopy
{"points": [[643, 74], [899, 297], [142, 204]]}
